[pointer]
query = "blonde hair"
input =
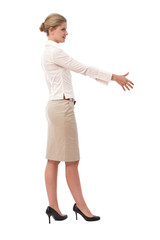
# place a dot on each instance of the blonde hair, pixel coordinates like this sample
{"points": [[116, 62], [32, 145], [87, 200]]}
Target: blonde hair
{"points": [[53, 20]]}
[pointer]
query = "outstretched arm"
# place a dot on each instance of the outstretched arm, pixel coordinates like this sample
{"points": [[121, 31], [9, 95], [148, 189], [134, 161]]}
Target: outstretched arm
{"points": [[62, 59]]}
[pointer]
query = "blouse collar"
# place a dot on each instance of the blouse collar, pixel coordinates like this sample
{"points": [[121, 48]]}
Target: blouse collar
{"points": [[52, 43]]}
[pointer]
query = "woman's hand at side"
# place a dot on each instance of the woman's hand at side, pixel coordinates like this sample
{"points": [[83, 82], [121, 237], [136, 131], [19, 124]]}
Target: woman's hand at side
{"points": [[122, 81]]}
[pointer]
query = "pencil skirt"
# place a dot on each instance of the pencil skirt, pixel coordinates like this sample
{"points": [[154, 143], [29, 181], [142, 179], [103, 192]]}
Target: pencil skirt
{"points": [[62, 137]]}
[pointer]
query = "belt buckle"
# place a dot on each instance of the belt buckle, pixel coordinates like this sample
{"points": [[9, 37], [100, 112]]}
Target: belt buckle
{"points": [[72, 100]]}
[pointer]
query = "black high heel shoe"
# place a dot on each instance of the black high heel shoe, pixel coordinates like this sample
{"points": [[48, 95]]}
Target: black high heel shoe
{"points": [[77, 210], [51, 212]]}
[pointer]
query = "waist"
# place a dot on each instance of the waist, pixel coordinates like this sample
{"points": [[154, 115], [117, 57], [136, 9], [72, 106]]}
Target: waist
{"points": [[70, 99]]}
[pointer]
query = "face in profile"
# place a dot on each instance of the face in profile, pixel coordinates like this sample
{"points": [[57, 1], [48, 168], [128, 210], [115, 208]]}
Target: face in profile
{"points": [[59, 34]]}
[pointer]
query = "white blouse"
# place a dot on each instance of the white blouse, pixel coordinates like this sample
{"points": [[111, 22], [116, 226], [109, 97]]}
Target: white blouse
{"points": [[57, 65]]}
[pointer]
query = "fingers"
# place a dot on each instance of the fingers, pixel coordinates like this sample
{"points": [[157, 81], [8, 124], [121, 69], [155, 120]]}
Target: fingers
{"points": [[126, 85], [127, 80], [123, 88], [130, 82], [126, 74], [130, 85]]}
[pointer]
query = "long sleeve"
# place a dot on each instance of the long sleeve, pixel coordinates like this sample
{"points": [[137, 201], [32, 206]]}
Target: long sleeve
{"points": [[62, 59]]}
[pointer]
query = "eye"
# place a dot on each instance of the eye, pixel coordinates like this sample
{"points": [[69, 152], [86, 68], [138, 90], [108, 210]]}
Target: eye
{"points": [[63, 29]]}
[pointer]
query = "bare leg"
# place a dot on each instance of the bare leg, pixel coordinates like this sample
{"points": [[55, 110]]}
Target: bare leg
{"points": [[51, 173], [73, 181]]}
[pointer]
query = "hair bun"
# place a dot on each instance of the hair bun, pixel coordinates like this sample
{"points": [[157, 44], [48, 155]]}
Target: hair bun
{"points": [[42, 27]]}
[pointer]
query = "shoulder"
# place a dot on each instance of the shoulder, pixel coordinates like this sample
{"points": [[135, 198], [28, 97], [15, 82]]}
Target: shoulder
{"points": [[54, 49]]}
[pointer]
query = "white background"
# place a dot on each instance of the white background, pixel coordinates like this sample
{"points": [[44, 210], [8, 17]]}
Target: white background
{"points": [[118, 131]]}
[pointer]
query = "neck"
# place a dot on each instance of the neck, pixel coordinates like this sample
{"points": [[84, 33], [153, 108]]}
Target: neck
{"points": [[49, 38]]}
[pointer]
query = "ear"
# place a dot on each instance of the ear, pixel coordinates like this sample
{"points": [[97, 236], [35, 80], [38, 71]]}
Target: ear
{"points": [[51, 30]]}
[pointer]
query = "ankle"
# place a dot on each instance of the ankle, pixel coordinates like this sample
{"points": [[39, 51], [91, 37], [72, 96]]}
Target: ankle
{"points": [[54, 206], [81, 205], [84, 209]]}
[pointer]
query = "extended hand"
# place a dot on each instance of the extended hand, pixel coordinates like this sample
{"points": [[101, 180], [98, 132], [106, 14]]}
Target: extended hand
{"points": [[122, 81]]}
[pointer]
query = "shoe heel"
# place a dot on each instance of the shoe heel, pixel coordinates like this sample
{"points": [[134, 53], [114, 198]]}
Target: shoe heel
{"points": [[53, 213], [76, 216], [49, 219], [77, 210]]}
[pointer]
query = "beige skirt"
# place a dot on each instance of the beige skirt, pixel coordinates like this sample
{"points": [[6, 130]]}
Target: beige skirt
{"points": [[62, 139]]}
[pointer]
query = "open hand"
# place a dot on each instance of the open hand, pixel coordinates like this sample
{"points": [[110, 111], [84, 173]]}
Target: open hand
{"points": [[123, 81]]}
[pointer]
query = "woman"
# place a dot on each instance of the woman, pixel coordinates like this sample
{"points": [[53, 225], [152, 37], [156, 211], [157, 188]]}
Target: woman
{"points": [[62, 141]]}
